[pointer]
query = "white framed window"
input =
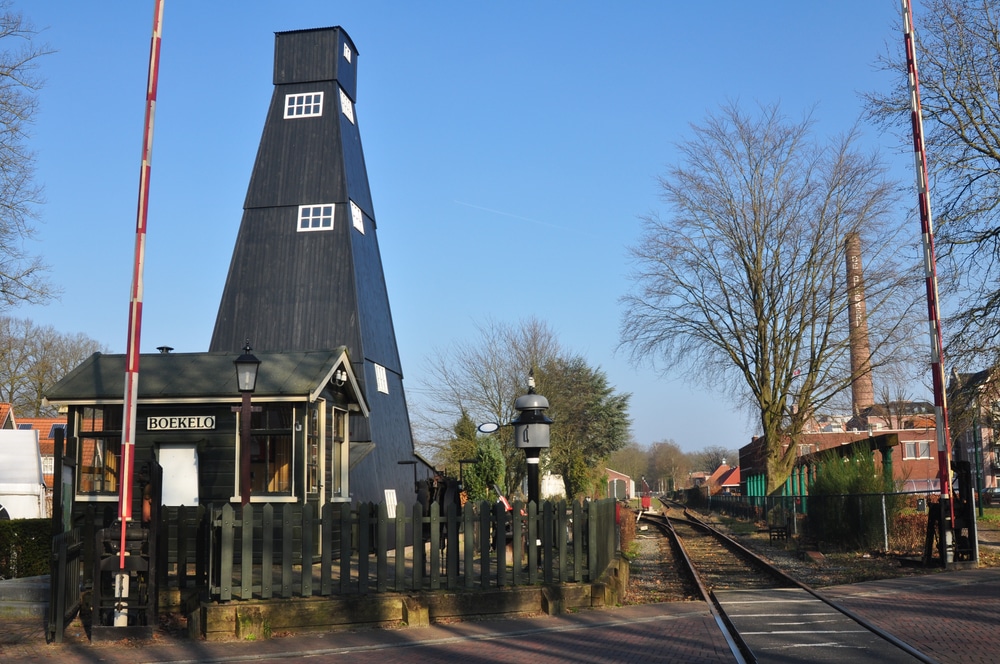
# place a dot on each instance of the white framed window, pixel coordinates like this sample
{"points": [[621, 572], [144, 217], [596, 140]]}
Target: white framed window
{"points": [[306, 105], [358, 218], [917, 449], [380, 379], [316, 217], [347, 53], [272, 454], [48, 465], [347, 106]]}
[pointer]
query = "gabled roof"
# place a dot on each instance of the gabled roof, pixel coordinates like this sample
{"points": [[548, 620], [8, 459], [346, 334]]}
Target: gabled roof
{"points": [[730, 478], [718, 473], [173, 377], [6, 416]]}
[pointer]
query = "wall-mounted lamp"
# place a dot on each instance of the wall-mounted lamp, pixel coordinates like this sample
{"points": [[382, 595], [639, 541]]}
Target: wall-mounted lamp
{"points": [[340, 377]]}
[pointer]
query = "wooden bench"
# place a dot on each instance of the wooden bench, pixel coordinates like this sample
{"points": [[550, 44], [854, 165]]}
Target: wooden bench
{"points": [[807, 548]]}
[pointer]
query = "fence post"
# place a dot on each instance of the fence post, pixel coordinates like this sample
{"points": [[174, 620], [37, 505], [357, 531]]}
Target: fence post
{"points": [[885, 525], [419, 562], [381, 547], [326, 550], [226, 552], [485, 537], [500, 516], [469, 542], [451, 545], [364, 545], [401, 546], [246, 554], [307, 550], [267, 551], [287, 540]]}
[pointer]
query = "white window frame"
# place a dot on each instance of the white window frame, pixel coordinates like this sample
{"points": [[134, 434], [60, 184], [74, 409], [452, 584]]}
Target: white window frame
{"points": [[303, 105], [311, 213], [358, 218], [266, 497], [347, 106], [914, 450], [347, 52], [381, 380]]}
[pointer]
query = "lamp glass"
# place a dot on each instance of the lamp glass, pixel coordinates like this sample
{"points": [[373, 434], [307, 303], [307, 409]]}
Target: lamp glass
{"points": [[246, 372]]}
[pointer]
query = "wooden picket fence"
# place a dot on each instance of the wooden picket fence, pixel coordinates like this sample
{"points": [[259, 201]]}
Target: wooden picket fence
{"points": [[284, 551]]}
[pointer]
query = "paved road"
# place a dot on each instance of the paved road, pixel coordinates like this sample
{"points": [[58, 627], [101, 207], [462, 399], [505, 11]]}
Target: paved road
{"points": [[954, 617]]}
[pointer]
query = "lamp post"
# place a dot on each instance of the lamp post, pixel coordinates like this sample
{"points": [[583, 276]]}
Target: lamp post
{"points": [[531, 433], [246, 380]]}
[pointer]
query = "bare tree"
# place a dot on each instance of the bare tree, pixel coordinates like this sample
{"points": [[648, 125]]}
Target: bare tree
{"points": [[33, 358], [714, 456], [480, 381], [742, 287], [958, 58], [632, 460], [22, 275], [669, 465], [483, 378]]}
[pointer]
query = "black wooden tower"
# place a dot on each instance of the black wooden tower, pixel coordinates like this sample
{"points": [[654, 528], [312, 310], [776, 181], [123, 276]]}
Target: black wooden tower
{"points": [[306, 273]]}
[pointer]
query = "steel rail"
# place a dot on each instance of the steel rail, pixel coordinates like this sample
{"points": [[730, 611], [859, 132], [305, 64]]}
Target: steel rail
{"points": [[781, 574], [741, 651]]}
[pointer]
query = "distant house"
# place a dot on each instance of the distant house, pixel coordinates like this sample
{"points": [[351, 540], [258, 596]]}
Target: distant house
{"points": [[697, 479], [620, 485], [46, 428], [724, 480]]}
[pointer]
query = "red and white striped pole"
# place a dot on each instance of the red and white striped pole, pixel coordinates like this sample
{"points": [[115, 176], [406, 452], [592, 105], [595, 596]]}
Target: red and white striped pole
{"points": [[930, 274], [135, 304]]}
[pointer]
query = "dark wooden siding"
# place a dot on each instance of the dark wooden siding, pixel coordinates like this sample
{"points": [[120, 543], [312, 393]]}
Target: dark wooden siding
{"points": [[373, 303], [315, 55], [298, 160], [300, 291], [390, 432], [288, 290]]}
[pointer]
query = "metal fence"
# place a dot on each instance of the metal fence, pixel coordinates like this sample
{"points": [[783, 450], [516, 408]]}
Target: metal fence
{"points": [[882, 522]]}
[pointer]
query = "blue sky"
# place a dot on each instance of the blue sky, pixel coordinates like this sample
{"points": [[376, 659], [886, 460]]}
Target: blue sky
{"points": [[511, 149]]}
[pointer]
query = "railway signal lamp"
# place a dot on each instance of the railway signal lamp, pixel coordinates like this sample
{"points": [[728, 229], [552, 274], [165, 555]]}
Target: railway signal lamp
{"points": [[531, 433]]}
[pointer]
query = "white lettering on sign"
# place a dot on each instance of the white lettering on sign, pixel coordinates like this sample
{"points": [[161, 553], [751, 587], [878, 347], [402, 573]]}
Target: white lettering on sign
{"points": [[180, 422]]}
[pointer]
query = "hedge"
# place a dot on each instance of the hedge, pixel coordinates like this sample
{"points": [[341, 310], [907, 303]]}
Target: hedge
{"points": [[25, 547]]}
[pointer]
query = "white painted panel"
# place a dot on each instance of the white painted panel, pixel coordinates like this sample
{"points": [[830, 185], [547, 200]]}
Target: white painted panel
{"points": [[180, 474]]}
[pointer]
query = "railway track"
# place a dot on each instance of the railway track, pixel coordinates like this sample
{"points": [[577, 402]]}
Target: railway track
{"points": [[766, 615]]}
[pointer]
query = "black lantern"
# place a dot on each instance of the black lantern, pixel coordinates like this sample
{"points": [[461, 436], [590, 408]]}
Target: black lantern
{"points": [[246, 369]]}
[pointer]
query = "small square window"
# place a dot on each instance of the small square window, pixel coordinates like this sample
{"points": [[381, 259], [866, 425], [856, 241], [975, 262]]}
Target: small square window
{"points": [[358, 218], [305, 105], [381, 380], [316, 217], [347, 106]]}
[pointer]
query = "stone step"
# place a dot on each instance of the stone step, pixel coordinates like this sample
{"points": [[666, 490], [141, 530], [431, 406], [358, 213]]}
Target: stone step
{"points": [[16, 609], [24, 598]]}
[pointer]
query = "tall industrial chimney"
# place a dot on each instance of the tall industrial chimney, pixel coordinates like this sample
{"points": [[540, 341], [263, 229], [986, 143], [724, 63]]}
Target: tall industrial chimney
{"points": [[862, 389]]}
